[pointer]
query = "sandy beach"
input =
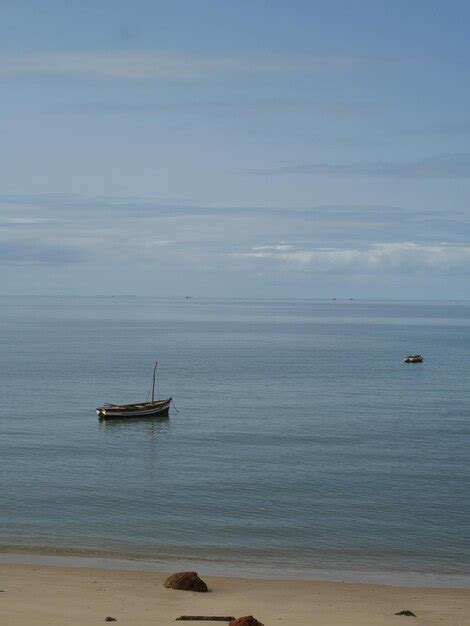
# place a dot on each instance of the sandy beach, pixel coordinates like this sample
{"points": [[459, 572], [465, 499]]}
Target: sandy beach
{"points": [[73, 596]]}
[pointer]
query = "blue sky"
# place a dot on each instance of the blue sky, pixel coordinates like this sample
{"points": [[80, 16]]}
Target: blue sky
{"points": [[235, 148]]}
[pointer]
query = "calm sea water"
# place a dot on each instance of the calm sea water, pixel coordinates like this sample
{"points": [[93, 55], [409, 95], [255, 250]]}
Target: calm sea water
{"points": [[302, 441]]}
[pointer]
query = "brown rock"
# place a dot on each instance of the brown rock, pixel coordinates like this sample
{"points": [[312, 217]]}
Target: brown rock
{"points": [[407, 613], [247, 620], [186, 581]]}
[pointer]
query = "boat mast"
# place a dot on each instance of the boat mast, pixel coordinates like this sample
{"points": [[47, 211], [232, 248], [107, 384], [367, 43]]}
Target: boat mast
{"points": [[153, 380]]}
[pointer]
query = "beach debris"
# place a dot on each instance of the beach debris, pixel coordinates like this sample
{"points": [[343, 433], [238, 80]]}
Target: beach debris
{"points": [[246, 620], [186, 581], [205, 618], [407, 613], [110, 619]]}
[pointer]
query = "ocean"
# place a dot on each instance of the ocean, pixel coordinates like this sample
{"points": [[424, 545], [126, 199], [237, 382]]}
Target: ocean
{"points": [[302, 444]]}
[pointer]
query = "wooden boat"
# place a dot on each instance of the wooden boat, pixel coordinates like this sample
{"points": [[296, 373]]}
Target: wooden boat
{"points": [[414, 358], [154, 408]]}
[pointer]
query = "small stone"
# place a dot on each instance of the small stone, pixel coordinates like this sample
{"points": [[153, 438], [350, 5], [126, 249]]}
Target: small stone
{"points": [[110, 619], [186, 581], [246, 620], [407, 613]]}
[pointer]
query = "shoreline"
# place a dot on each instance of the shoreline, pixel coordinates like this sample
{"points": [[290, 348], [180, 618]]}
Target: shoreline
{"points": [[57, 596], [108, 560]]}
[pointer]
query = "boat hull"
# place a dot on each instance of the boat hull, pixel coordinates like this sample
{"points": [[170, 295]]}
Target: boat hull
{"points": [[413, 359], [159, 408]]}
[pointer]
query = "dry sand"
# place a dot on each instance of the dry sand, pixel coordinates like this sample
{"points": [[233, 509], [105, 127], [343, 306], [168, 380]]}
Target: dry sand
{"points": [[71, 596]]}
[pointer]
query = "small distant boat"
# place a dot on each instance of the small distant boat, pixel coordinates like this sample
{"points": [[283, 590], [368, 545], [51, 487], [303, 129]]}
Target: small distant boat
{"points": [[414, 358], [154, 408]]}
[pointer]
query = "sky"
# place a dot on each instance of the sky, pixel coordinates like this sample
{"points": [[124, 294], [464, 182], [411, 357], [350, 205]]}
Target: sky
{"points": [[235, 148]]}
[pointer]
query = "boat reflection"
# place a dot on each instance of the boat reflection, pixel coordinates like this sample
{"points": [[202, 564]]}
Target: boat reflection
{"points": [[152, 425]]}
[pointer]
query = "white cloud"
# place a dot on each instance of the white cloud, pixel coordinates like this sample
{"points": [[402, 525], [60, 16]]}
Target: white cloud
{"points": [[157, 64], [386, 258], [158, 243], [279, 246], [18, 221]]}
